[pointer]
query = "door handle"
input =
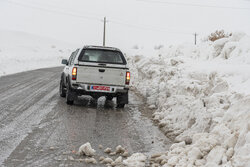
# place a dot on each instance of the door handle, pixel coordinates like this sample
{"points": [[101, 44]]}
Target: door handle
{"points": [[101, 70]]}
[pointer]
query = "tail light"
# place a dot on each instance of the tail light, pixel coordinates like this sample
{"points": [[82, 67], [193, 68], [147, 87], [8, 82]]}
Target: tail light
{"points": [[127, 78], [74, 73]]}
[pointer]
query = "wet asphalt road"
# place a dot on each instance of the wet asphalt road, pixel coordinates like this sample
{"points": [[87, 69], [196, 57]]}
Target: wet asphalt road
{"points": [[34, 118]]}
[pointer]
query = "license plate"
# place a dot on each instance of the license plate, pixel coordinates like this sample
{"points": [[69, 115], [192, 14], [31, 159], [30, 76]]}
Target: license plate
{"points": [[100, 88]]}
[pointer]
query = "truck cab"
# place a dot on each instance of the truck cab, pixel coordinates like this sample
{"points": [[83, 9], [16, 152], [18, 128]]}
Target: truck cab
{"points": [[96, 71]]}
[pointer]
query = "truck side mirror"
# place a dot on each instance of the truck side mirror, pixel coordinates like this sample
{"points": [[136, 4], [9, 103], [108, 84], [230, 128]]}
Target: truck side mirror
{"points": [[65, 61]]}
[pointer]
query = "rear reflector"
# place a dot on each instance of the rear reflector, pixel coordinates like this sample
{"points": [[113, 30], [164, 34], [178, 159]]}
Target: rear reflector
{"points": [[74, 73], [127, 78]]}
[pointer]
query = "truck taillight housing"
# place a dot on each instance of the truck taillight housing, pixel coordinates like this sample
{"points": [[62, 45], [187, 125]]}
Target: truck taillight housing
{"points": [[127, 78], [74, 73]]}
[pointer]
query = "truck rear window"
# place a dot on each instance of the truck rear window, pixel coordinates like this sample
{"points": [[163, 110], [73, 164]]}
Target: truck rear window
{"points": [[102, 56]]}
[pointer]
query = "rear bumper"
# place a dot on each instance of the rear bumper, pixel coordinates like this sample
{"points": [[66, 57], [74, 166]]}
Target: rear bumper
{"points": [[84, 89]]}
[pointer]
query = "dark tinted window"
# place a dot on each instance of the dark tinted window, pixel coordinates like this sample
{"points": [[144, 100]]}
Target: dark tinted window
{"points": [[102, 56]]}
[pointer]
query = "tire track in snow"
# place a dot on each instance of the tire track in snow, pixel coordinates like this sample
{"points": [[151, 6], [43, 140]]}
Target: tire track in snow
{"points": [[26, 102], [14, 133]]}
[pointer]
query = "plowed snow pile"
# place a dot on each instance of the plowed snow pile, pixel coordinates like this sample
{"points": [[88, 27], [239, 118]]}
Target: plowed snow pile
{"points": [[202, 99]]}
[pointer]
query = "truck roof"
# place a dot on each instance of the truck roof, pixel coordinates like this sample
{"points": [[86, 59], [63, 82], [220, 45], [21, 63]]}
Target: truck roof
{"points": [[100, 47]]}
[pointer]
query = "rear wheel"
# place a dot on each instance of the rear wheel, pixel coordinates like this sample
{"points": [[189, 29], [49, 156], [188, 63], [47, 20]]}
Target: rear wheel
{"points": [[69, 96], [109, 98], [62, 89]]}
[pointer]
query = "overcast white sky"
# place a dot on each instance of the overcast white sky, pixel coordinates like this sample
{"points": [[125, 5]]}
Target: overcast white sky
{"points": [[143, 22]]}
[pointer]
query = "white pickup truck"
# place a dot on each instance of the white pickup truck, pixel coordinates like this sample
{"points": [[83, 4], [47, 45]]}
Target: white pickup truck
{"points": [[96, 71]]}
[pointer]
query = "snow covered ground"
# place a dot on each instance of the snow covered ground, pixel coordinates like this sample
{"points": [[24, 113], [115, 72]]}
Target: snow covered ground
{"points": [[201, 95], [21, 51]]}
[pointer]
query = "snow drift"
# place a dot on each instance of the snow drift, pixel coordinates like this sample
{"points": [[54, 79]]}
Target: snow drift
{"points": [[21, 51], [201, 96]]}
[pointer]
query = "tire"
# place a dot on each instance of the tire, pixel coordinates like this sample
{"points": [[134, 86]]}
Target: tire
{"points": [[69, 96], [62, 90], [109, 98]]}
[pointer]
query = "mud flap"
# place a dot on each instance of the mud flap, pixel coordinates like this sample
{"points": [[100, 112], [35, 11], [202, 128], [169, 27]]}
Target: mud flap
{"points": [[122, 99], [70, 95]]}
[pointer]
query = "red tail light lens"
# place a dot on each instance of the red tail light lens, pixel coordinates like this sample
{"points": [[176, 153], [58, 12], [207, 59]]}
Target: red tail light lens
{"points": [[74, 73], [127, 78]]}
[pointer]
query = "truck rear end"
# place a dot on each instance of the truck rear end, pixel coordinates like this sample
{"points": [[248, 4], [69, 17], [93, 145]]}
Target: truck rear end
{"points": [[101, 71]]}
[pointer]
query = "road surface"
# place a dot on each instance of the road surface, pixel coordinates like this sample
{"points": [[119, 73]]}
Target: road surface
{"points": [[38, 128]]}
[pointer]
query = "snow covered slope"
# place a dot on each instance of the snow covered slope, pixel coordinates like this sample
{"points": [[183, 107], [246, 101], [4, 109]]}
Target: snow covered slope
{"points": [[21, 51], [202, 99]]}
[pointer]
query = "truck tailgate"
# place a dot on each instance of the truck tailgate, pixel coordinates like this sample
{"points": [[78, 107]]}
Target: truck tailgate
{"points": [[101, 75]]}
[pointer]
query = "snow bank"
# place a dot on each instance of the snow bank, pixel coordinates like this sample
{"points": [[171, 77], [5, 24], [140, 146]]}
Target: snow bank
{"points": [[21, 51], [201, 95]]}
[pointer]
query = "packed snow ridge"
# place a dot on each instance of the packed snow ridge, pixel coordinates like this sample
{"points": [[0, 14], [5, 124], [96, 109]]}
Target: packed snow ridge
{"points": [[201, 95]]}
